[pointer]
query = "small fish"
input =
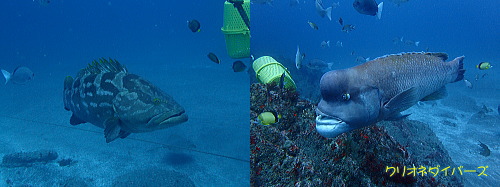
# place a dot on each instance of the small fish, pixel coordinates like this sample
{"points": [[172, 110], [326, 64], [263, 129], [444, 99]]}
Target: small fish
{"points": [[42, 2], [411, 42], [353, 53], [468, 84], [399, 2], [335, 4], [341, 21], [368, 7], [20, 75], [313, 25], [318, 64], [325, 44], [397, 40], [213, 58], [239, 66], [476, 78], [322, 11], [361, 59], [282, 80], [194, 25], [485, 151], [498, 109], [263, 2], [268, 118], [339, 44], [299, 57], [484, 66], [348, 28]]}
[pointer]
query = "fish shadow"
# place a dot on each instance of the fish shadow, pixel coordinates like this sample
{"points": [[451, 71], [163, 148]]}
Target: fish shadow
{"points": [[177, 159]]}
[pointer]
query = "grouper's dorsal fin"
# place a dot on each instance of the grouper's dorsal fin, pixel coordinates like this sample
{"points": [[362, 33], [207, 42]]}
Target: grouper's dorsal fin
{"points": [[102, 66]]}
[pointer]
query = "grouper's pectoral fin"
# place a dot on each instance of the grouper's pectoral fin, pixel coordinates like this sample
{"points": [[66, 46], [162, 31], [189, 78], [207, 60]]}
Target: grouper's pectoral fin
{"points": [[75, 120], [112, 129], [124, 134], [400, 102], [68, 83]]}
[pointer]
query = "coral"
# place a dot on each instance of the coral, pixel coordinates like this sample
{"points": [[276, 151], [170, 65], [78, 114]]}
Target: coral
{"points": [[292, 153]]}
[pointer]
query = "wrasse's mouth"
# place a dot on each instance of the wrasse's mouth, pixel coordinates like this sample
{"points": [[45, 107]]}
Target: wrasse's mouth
{"points": [[325, 118], [330, 126]]}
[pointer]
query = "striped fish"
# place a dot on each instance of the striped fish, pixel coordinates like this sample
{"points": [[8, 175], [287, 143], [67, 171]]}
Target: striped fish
{"points": [[106, 95]]}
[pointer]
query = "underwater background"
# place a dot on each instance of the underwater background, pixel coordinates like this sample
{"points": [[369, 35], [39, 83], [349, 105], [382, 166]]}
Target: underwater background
{"points": [[464, 121], [57, 38]]}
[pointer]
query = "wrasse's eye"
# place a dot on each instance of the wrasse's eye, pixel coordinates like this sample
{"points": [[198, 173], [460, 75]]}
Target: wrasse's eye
{"points": [[346, 97]]}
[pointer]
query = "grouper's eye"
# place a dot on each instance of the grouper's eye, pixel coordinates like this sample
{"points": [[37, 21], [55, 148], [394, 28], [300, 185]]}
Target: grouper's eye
{"points": [[157, 101], [346, 97]]}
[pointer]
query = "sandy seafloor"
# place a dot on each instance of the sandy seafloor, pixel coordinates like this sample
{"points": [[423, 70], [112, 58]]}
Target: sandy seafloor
{"points": [[215, 98], [462, 140]]}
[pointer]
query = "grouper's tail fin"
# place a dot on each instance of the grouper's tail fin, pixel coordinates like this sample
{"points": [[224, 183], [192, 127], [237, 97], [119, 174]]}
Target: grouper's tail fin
{"points": [[460, 70]]}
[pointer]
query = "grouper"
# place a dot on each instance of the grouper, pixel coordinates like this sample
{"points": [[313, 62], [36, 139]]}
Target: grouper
{"points": [[106, 95], [382, 88]]}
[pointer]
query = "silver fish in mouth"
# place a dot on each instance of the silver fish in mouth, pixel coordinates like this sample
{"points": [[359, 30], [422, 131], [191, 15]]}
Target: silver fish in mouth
{"points": [[106, 95], [382, 88]]}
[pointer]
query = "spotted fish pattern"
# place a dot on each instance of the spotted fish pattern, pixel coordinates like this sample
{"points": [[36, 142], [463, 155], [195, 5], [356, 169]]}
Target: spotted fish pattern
{"points": [[106, 95]]}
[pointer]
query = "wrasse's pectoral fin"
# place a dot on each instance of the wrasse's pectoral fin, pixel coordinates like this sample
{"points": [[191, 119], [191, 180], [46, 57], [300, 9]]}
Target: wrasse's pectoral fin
{"points": [[402, 101], [112, 129], [439, 94], [75, 120]]}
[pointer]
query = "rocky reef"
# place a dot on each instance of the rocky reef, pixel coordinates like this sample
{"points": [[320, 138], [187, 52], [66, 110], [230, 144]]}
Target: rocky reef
{"points": [[291, 152]]}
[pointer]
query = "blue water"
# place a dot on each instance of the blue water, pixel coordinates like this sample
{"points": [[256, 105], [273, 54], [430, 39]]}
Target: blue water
{"points": [[152, 40], [469, 28]]}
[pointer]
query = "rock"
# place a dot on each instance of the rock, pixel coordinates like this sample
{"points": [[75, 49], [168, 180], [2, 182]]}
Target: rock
{"points": [[26, 159]]}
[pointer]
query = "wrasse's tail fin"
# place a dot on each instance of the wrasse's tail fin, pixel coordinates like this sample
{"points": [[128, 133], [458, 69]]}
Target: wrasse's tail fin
{"points": [[328, 13], [459, 62], [380, 8]]}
